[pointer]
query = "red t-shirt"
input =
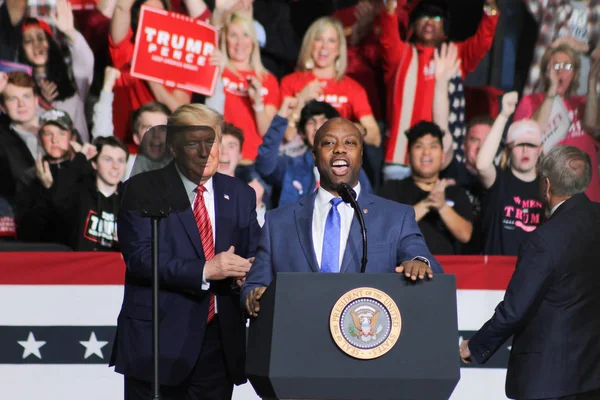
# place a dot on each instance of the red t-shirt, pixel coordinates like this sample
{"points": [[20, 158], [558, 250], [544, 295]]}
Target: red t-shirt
{"points": [[576, 136], [347, 96], [238, 106]]}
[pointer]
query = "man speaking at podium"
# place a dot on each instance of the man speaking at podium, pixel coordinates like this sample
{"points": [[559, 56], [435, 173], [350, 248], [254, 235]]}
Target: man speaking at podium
{"points": [[318, 233]]}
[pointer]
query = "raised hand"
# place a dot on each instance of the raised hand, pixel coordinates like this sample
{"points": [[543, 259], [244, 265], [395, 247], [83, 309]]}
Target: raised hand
{"points": [[287, 107], [509, 103], [63, 18], [570, 41], [88, 150], [49, 90], [42, 170], [111, 75], [218, 59], [254, 91], [446, 62], [311, 91]]}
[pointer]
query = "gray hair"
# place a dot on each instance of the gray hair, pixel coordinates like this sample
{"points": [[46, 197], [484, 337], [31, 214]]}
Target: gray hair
{"points": [[568, 168]]}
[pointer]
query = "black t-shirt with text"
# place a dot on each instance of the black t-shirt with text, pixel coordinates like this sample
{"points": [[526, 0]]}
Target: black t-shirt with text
{"points": [[438, 238], [512, 210]]}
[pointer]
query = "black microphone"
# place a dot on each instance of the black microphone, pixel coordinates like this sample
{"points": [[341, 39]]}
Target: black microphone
{"points": [[348, 195]]}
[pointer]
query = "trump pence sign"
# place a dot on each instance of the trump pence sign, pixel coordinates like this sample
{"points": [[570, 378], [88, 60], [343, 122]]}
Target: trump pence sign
{"points": [[174, 49]]}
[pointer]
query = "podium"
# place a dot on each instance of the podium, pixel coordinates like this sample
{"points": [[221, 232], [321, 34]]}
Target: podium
{"points": [[297, 347]]}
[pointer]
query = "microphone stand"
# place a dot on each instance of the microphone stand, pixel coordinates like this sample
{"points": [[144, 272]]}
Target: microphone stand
{"points": [[348, 195], [155, 216]]}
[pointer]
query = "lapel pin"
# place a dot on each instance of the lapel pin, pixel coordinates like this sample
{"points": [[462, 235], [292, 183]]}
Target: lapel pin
{"points": [[226, 196], [365, 211]]}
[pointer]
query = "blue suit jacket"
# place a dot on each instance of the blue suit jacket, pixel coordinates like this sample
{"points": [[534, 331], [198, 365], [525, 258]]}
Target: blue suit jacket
{"points": [[552, 307], [286, 244], [183, 303]]}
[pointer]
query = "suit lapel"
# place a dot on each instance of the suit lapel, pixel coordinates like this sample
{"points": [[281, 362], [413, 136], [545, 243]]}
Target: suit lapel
{"points": [[353, 253], [181, 207], [303, 214], [223, 208]]}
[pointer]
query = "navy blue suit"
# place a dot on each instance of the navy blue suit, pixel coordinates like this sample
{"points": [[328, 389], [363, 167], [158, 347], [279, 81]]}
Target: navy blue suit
{"points": [[183, 303], [286, 244], [552, 307]]}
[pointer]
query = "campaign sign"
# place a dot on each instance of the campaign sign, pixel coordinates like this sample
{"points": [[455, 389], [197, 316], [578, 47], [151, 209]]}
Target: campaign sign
{"points": [[174, 49]]}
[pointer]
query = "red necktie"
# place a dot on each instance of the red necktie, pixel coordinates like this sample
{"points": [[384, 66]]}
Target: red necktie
{"points": [[206, 236]]}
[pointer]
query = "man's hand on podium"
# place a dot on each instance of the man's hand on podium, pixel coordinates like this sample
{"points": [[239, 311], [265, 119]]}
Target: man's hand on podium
{"points": [[252, 300], [465, 353], [415, 269]]}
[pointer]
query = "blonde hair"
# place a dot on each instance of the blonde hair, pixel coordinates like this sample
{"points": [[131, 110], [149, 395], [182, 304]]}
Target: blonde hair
{"points": [[197, 114], [318, 27], [247, 23], [575, 60], [504, 161]]}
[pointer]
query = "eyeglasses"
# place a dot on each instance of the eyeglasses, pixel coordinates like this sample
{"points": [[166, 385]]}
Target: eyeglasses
{"points": [[434, 18], [565, 66]]}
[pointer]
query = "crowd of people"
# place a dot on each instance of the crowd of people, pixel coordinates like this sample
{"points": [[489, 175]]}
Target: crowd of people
{"points": [[74, 122]]}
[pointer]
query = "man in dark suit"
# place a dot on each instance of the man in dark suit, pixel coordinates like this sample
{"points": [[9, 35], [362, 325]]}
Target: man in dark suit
{"points": [[552, 303], [318, 233], [205, 246]]}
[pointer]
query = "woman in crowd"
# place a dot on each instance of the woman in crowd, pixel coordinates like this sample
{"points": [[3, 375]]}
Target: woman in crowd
{"points": [[251, 93], [321, 75], [512, 208], [65, 87], [562, 68]]}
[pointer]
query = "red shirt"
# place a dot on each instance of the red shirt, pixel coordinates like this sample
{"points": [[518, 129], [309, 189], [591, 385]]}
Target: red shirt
{"points": [[576, 136], [238, 106], [347, 96]]}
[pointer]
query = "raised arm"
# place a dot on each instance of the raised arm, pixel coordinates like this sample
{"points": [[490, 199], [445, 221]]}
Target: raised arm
{"points": [[173, 100], [476, 47], [103, 109], [121, 21], [392, 46], [592, 109], [542, 114], [447, 65], [485, 159]]}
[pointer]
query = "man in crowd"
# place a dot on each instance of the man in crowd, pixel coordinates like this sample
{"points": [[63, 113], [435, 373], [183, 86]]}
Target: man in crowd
{"points": [[205, 247], [551, 304], [295, 177], [465, 176], [19, 134], [153, 151], [305, 237], [230, 155], [442, 209]]}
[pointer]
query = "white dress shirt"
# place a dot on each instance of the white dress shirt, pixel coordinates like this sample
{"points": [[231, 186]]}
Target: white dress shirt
{"points": [[556, 207], [209, 201], [322, 207]]}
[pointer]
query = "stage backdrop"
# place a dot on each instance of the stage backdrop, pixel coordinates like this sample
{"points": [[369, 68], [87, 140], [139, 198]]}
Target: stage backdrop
{"points": [[59, 313]]}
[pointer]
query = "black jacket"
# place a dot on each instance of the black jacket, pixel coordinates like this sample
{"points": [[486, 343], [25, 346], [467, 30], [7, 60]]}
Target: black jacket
{"points": [[552, 307]]}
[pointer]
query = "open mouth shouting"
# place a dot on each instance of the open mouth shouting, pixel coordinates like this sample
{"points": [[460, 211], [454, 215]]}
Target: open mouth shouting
{"points": [[340, 167]]}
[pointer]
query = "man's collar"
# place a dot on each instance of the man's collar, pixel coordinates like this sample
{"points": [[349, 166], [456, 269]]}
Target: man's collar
{"points": [[191, 186], [324, 197]]}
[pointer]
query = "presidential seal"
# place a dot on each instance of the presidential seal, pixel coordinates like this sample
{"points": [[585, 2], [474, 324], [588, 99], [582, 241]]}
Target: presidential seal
{"points": [[365, 323]]}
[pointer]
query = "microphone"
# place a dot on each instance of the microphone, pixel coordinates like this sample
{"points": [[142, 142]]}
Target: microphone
{"points": [[348, 196]]}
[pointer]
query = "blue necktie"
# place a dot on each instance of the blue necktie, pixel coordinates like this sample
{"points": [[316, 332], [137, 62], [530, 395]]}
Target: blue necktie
{"points": [[330, 259]]}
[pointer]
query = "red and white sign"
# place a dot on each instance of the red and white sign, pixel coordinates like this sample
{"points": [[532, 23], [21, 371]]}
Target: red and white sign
{"points": [[174, 49]]}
